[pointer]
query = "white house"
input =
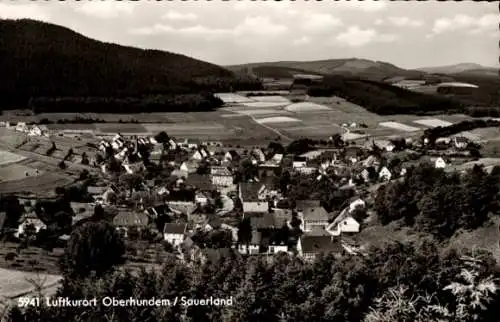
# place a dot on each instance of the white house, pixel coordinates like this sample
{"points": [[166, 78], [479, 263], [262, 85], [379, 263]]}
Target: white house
{"points": [[440, 163], [385, 174], [29, 220], [253, 196], [221, 176], [201, 198], [355, 204], [133, 167], [199, 154], [22, 127], [299, 162], [460, 142], [189, 166], [275, 249], [403, 172], [35, 131], [174, 233], [390, 147], [346, 225]]}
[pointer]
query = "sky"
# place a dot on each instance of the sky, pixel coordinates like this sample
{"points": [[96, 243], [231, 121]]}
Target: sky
{"points": [[407, 34]]}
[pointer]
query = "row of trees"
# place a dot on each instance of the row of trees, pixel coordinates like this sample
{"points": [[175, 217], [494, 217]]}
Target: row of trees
{"points": [[383, 98], [443, 131], [410, 281]]}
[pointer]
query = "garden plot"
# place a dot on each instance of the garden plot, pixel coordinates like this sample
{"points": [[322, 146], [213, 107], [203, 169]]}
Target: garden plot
{"points": [[399, 126], [42, 185], [272, 99], [120, 128], [433, 122], [262, 112], [13, 172], [352, 136], [306, 107], [232, 98], [277, 119], [264, 104], [7, 157]]}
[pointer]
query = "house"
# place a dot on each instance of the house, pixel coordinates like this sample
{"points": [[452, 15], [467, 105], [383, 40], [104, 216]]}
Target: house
{"points": [[385, 174], [299, 162], [276, 159], [309, 247], [201, 199], [133, 167], [126, 220], [259, 155], [189, 166], [200, 182], [200, 154], [314, 216], [159, 210], [35, 131], [118, 142], [29, 220], [22, 127], [253, 247], [188, 143], [460, 142], [231, 155], [174, 233], [253, 196], [439, 163], [306, 170], [311, 155], [344, 223], [221, 176]]}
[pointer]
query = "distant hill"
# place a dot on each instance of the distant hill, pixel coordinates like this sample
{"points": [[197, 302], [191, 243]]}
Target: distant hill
{"points": [[370, 69], [39, 59], [467, 68]]}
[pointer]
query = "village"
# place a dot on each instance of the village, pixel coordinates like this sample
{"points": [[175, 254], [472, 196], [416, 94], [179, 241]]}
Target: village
{"points": [[194, 197]]}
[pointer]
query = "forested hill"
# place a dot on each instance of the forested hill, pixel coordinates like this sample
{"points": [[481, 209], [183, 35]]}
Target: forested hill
{"points": [[39, 59]]}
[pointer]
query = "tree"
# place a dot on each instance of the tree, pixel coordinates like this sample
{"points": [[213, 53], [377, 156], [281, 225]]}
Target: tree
{"points": [[62, 165], [93, 247], [84, 174], [85, 159], [245, 231], [162, 137]]}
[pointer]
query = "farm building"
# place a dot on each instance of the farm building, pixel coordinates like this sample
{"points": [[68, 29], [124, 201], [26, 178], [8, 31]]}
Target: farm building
{"points": [[174, 233]]}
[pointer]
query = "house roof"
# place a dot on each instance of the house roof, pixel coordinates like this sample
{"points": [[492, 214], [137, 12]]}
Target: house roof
{"points": [[250, 191], [200, 181], [315, 213], [186, 208], [220, 171], [281, 216], [174, 228], [318, 244], [130, 218], [263, 221], [94, 190]]}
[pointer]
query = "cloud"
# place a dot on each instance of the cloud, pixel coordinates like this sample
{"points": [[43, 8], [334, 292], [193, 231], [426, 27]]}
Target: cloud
{"points": [[106, 10], [400, 22], [461, 22], [251, 26], [19, 11], [356, 37], [367, 6], [179, 16], [320, 22], [301, 41]]}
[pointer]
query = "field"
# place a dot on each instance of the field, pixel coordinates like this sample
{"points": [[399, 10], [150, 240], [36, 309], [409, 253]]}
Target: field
{"points": [[235, 123], [7, 157], [42, 185], [433, 122], [399, 126], [13, 172]]}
